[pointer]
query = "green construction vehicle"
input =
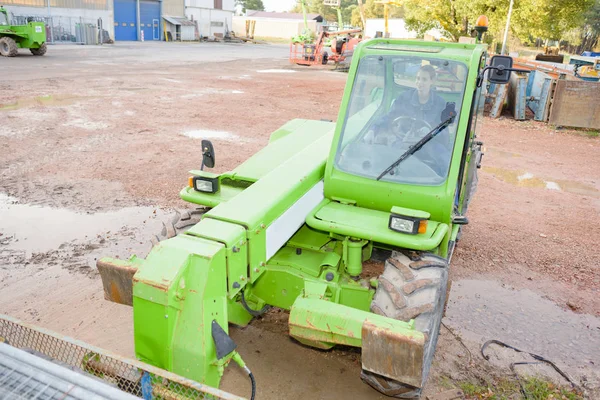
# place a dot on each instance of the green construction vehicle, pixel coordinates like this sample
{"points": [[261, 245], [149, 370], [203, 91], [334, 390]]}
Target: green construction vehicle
{"points": [[295, 225], [14, 37]]}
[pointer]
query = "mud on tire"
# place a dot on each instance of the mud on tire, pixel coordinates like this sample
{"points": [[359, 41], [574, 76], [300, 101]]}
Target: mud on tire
{"points": [[181, 222], [40, 51], [412, 286], [8, 47]]}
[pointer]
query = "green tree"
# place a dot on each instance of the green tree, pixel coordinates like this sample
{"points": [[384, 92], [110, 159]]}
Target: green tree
{"points": [[548, 19], [327, 12], [251, 5], [374, 10], [590, 32]]}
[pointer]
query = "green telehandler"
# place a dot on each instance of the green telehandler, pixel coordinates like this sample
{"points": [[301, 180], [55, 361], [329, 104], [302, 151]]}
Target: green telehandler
{"points": [[293, 226], [13, 37]]}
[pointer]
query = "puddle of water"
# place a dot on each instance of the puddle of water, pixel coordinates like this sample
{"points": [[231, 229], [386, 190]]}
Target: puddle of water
{"points": [[40, 229], [578, 188], [48, 101], [208, 91], [87, 125], [526, 179], [518, 178], [503, 153], [484, 310], [276, 71], [207, 134], [170, 80], [525, 176]]}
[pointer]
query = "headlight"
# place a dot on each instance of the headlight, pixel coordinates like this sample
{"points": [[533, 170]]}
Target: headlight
{"points": [[204, 184], [412, 224], [402, 224]]}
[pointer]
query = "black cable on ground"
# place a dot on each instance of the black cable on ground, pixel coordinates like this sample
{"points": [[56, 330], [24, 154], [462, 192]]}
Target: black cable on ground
{"points": [[251, 375], [252, 312], [540, 360]]}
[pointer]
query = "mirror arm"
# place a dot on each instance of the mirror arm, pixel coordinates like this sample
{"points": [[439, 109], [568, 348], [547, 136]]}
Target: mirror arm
{"points": [[482, 73]]}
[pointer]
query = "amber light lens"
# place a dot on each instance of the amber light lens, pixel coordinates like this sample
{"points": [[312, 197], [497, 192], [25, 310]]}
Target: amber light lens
{"points": [[422, 226], [482, 21]]}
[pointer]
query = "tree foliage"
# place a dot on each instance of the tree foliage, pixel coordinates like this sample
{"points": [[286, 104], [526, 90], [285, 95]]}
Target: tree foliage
{"points": [[374, 10], [550, 19], [327, 12], [256, 5], [531, 19]]}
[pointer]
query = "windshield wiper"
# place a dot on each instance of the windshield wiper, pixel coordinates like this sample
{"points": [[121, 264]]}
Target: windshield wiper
{"points": [[415, 147]]}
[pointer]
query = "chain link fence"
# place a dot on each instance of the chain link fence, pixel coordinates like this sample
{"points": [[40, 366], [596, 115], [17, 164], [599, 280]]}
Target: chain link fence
{"points": [[66, 30], [130, 376]]}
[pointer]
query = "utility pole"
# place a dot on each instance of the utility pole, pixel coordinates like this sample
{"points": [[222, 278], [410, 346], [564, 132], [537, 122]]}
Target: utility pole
{"points": [[507, 26], [50, 23]]}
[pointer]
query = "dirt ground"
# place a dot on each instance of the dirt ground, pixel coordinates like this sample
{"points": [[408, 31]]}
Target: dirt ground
{"points": [[95, 144]]}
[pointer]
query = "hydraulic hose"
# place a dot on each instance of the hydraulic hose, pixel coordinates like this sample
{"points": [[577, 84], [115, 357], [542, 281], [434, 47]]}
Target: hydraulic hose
{"points": [[253, 381], [252, 312], [238, 360]]}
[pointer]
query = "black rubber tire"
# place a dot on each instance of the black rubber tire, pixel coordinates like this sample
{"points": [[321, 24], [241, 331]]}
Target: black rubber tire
{"points": [[181, 222], [411, 288], [41, 51], [8, 47]]}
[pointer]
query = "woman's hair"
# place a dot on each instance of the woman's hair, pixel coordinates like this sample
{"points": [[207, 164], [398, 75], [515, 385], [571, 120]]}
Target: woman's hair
{"points": [[429, 69]]}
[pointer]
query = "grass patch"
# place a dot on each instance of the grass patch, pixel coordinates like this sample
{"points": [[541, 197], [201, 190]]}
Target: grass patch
{"points": [[274, 39], [508, 389], [591, 133]]}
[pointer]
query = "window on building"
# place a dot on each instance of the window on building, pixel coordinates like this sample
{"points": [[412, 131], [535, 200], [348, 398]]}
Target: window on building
{"points": [[218, 4]]}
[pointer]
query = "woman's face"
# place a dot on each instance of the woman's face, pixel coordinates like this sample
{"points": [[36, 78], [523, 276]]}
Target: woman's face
{"points": [[423, 82]]}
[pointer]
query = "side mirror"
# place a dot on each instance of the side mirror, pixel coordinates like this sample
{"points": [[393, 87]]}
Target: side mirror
{"points": [[208, 155], [500, 69]]}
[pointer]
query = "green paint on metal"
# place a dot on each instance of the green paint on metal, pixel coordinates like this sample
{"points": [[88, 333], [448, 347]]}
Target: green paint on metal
{"points": [[179, 290], [372, 225], [409, 212], [354, 254], [237, 313], [225, 194], [324, 321], [233, 237]]}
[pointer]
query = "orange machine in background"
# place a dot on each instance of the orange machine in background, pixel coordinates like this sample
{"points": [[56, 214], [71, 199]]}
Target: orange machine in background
{"points": [[342, 44]]}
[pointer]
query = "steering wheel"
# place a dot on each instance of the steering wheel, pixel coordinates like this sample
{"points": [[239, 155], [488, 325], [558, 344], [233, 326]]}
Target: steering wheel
{"points": [[410, 129]]}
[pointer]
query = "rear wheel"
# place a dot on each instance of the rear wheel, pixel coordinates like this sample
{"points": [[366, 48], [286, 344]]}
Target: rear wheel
{"points": [[40, 51], [411, 288], [180, 223], [8, 47]]}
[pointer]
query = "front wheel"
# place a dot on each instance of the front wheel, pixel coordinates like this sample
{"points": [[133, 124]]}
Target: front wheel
{"points": [[411, 288], [39, 51]]}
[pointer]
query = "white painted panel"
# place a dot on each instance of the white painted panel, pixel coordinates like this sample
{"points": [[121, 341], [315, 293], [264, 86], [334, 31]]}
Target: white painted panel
{"points": [[282, 229]]}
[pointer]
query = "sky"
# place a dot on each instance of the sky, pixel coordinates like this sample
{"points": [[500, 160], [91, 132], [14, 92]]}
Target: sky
{"points": [[279, 5]]}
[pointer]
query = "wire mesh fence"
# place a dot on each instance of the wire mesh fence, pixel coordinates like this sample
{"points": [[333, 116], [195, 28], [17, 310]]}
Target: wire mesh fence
{"points": [[130, 376], [60, 29]]}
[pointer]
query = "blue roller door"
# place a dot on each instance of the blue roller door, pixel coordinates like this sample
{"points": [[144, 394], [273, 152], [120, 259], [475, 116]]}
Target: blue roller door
{"points": [[125, 20], [149, 19]]}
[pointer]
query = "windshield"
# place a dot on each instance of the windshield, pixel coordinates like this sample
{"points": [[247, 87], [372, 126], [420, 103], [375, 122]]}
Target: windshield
{"points": [[395, 101], [3, 19]]}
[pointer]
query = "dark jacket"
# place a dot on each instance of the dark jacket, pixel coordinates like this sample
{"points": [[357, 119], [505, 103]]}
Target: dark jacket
{"points": [[407, 104]]}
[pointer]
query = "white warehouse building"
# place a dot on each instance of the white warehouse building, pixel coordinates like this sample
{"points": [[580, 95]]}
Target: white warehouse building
{"points": [[213, 17]]}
